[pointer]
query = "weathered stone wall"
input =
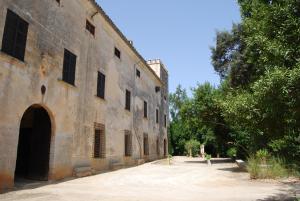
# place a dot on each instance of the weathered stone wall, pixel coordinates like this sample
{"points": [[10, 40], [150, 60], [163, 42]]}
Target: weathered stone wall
{"points": [[74, 109]]}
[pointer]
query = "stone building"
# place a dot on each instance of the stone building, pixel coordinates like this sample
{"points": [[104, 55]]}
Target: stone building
{"points": [[75, 95]]}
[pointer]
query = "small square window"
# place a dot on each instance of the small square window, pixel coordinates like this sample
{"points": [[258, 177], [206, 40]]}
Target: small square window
{"points": [[117, 53]]}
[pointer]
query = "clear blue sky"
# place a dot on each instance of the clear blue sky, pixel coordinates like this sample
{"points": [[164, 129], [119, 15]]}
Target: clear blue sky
{"points": [[179, 32]]}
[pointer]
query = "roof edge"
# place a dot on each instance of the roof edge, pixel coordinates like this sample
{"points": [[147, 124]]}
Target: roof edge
{"points": [[123, 37]]}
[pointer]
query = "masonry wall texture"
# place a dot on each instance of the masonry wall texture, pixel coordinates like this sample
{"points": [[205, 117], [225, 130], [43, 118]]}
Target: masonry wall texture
{"points": [[74, 110]]}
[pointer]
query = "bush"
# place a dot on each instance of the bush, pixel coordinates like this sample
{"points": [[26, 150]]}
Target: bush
{"points": [[262, 155], [192, 147], [272, 168], [232, 152], [207, 157]]}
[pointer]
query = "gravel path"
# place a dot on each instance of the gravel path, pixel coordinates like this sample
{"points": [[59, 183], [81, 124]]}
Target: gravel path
{"points": [[186, 180]]}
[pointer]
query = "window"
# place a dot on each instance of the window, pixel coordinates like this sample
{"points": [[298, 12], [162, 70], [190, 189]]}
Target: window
{"points": [[138, 73], [14, 36], [165, 121], [99, 141], [165, 147], [157, 121], [145, 109], [101, 85], [90, 27], [128, 143], [157, 89], [58, 1], [146, 144], [128, 100], [69, 68], [157, 146], [117, 53]]}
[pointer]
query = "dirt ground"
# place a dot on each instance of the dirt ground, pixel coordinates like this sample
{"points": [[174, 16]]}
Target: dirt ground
{"points": [[185, 180]]}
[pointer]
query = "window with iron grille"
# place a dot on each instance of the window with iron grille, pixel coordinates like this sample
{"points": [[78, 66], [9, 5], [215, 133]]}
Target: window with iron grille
{"points": [[128, 100], [146, 144], [145, 109], [117, 53], [157, 147], [99, 142], [128, 143], [101, 85], [157, 116], [14, 36], [69, 68], [90, 27]]}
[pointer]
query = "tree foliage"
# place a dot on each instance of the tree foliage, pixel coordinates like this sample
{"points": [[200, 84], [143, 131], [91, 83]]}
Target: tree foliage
{"points": [[257, 105]]}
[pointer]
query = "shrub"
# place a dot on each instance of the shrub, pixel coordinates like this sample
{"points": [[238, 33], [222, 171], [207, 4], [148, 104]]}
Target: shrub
{"points": [[272, 168], [262, 155], [232, 152], [207, 157], [192, 147]]}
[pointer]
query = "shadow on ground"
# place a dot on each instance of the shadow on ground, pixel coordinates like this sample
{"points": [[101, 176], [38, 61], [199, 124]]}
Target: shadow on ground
{"points": [[292, 194], [213, 161]]}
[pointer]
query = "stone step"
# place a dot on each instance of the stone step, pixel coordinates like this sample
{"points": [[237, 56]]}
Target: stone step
{"points": [[117, 166], [82, 171]]}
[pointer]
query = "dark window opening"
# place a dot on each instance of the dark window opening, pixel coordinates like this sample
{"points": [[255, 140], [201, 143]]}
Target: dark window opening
{"points": [[101, 85], [128, 100], [99, 142], [69, 67], [138, 73], [165, 121], [58, 1], [165, 147], [157, 147], [90, 27], [128, 143], [145, 109], [15, 36], [146, 144], [157, 116], [117, 53]]}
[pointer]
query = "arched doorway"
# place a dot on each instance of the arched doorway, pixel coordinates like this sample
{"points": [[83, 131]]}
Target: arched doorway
{"points": [[34, 145]]}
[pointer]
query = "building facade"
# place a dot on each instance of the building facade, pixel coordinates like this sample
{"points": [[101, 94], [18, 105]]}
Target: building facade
{"points": [[75, 95]]}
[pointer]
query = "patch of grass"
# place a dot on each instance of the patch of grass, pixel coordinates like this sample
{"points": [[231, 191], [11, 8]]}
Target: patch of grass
{"points": [[272, 168]]}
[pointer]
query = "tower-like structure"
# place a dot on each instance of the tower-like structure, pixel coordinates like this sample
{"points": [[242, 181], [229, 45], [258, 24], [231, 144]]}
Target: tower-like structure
{"points": [[161, 71]]}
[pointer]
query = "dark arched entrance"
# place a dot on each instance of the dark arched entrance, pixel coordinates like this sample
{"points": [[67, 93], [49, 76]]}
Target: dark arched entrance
{"points": [[34, 145]]}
